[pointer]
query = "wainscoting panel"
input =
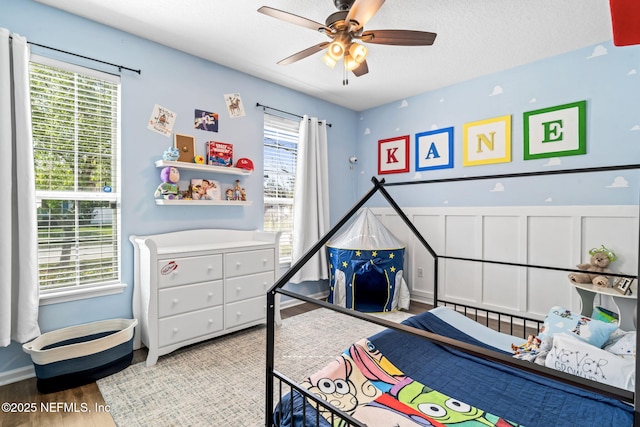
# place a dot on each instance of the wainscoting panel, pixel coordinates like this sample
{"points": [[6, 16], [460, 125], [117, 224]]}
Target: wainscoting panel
{"points": [[556, 236]]}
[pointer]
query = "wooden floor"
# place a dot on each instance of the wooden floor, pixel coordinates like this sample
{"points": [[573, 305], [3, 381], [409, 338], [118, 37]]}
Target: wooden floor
{"points": [[82, 406]]}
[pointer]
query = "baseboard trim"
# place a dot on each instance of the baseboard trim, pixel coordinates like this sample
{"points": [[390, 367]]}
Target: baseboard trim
{"points": [[294, 302], [15, 375]]}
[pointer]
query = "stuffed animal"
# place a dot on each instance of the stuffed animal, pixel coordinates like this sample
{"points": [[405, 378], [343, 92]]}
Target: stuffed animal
{"points": [[171, 153], [168, 189], [598, 264]]}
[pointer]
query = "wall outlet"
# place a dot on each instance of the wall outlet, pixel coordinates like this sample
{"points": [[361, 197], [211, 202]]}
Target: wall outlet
{"points": [[420, 272]]}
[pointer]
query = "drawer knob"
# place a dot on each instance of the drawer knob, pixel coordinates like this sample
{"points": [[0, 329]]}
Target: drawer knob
{"points": [[238, 264], [211, 321], [210, 267], [175, 330], [238, 314], [210, 294], [238, 289], [175, 301], [264, 261]]}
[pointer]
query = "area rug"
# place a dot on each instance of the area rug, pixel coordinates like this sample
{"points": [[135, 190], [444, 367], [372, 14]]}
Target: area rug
{"points": [[221, 382]]}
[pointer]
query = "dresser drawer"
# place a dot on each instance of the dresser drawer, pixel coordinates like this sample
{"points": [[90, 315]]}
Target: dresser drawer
{"points": [[241, 263], [242, 312], [244, 287], [189, 325], [180, 299], [180, 271]]}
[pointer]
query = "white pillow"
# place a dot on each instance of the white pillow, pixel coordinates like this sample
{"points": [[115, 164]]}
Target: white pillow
{"points": [[624, 345], [574, 356]]}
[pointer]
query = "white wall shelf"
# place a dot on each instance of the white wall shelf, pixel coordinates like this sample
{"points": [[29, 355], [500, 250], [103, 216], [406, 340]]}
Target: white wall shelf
{"points": [[203, 168], [202, 202]]}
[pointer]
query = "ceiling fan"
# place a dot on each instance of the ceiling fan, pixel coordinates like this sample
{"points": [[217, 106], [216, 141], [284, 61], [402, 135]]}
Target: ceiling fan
{"points": [[345, 28]]}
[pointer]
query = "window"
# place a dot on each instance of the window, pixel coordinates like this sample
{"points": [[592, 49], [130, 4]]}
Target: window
{"points": [[75, 115], [280, 155]]}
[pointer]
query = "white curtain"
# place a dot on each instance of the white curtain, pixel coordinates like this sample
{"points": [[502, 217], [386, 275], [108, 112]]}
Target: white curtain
{"points": [[311, 199], [19, 297]]}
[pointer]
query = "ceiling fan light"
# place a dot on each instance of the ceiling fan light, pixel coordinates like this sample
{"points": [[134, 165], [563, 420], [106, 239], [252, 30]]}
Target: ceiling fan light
{"points": [[358, 52], [350, 64], [335, 50], [329, 60]]}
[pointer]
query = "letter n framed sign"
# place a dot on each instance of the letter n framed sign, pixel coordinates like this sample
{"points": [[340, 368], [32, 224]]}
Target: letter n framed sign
{"points": [[486, 141], [434, 149], [555, 131], [393, 155]]}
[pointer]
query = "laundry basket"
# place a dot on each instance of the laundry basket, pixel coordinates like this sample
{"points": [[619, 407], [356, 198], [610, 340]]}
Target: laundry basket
{"points": [[78, 355]]}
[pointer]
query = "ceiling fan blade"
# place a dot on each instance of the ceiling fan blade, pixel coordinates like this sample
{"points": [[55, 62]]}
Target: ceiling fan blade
{"points": [[303, 53], [363, 10], [291, 18], [361, 70], [399, 37]]}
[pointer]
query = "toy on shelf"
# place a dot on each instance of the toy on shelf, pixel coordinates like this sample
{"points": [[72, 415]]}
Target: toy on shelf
{"points": [[168, 189], [171, 154], [199, 160], [229, 194], [596, 268], [244, 163]]}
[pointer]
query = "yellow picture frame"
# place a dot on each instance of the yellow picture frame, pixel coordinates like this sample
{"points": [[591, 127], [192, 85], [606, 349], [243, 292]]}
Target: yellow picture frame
{"points": [[486, 141]]}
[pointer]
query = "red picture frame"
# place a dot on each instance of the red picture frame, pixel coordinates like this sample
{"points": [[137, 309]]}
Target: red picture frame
{"points": [[393, 155]]}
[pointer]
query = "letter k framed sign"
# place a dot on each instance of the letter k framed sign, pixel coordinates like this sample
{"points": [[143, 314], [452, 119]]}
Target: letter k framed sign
{"points": [[393, 155], [555, 131]]}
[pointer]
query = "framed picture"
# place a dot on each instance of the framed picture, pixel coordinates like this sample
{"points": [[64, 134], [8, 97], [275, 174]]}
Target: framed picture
{"points": [[186, 144], [434, 149], [393, 155], [623, 285], [556, 131], [486, 141]]}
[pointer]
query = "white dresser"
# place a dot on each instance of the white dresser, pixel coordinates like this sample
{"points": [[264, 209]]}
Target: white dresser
{"points": [[194, 285]]}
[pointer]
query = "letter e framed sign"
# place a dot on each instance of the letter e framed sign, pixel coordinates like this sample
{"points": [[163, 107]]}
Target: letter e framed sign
{"points": [[393, 155], [555, 131]]}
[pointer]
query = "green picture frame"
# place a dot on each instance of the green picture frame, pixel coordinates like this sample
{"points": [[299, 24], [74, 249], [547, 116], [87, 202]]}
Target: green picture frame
{"points": [[555, 131]]}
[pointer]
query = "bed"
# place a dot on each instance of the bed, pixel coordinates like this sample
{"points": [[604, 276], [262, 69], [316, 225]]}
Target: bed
{"points": [[442, 368]]}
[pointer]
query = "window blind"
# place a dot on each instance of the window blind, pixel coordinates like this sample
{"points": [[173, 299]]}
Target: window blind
{"points": [[280, 157], [75, 116]]}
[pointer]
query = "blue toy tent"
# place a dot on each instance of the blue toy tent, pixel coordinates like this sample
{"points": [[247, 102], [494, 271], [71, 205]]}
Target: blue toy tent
{"points": [[366, 263]]}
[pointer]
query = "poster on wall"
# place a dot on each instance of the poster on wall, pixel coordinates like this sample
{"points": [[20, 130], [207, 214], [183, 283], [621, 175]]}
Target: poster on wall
{"points": [[487, 141], [434, 149], [205, 120], [161, 120], [234, 105], [393, 155], [555, 131]]}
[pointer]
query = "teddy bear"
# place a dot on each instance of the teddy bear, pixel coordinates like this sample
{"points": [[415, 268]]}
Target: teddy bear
{"points": [[595, 269]]}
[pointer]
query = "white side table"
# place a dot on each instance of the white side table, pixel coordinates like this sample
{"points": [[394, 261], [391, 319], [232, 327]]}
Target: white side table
{"points": [[625, 304]]}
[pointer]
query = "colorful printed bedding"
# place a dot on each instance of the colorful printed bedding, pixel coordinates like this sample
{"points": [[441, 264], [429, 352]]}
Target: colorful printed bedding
{"points": [[365, 384], [410, 381]]}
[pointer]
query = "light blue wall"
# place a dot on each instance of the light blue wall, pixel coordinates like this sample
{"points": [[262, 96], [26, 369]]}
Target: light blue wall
{"points": [[607, 77], [181, 83]]}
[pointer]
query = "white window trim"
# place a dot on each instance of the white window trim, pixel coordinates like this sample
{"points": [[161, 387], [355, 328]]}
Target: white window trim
{"points": [[75, 293]]}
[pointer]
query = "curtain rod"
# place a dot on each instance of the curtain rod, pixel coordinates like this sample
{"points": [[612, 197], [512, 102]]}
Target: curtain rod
{"points": [[282, 111], [119, 67]]}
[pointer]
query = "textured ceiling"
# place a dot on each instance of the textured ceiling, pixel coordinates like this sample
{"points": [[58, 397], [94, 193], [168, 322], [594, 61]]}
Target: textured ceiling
{"points": [[474, 38]]}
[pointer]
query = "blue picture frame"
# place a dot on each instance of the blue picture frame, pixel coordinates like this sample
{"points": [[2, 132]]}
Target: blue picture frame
{"points": [[434, 149]]}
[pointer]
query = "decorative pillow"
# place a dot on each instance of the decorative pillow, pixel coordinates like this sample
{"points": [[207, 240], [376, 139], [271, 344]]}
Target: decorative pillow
{"points": [[625, 345], [559, 319], [574, 356]]}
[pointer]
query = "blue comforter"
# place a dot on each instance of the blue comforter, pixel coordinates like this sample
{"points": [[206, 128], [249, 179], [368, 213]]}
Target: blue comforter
{"points": [[515, 395]]}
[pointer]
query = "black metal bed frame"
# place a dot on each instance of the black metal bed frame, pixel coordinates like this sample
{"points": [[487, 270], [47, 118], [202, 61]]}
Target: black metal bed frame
{"points": [[502, 318]]}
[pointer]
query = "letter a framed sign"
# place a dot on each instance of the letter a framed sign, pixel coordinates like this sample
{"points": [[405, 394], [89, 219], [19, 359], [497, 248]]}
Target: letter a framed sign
{"points": [[555, 131], [393, 155], [434, 149], [486, 141]]}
